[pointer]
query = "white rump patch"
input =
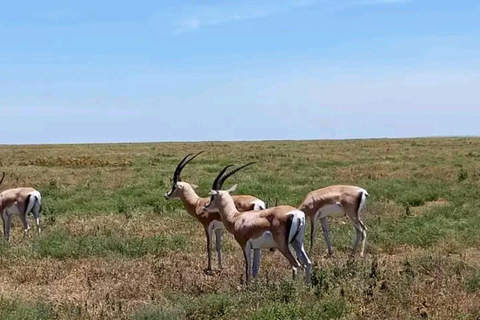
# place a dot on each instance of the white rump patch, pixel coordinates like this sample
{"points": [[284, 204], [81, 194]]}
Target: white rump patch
{"points": [[265, 241], [258, 205], [298, 222]]}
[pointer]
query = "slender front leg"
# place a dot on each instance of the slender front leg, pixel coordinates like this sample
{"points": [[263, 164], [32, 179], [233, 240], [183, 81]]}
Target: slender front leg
{"points": [[256, 261], [218, 246], [313, 233], [246, 254], [208, 233], [4, 220], [6, 217], [324, 222]]}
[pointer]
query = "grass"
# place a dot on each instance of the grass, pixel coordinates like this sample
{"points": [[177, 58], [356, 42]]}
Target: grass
{"points": [[113, 248]]}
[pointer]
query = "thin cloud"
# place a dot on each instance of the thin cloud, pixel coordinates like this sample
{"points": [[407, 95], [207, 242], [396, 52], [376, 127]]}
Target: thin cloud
{"points": [[192, 18], [202, 16]]}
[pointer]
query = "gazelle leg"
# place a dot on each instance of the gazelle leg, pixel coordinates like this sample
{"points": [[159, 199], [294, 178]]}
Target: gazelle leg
{"points": [[284, 248], [256, 261], [364, 239], [208, 232], [36, 215], [302, 255], [246, 253], [8, 221], [358, 238], [313, 233], [26, 227], [4, 220], [218, 246], [324, 222]]}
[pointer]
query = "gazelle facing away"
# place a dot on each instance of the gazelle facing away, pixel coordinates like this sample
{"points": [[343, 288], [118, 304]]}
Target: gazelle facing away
{"points": [[336, 201], [280, 226], [195, 206], [19, 201]]}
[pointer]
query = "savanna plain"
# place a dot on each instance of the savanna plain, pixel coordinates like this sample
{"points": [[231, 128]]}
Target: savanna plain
{"points": [[113, 248]]}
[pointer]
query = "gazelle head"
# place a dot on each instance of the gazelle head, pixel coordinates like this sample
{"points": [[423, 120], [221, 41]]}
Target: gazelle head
{"points": [[177, 184], [217, 195]]}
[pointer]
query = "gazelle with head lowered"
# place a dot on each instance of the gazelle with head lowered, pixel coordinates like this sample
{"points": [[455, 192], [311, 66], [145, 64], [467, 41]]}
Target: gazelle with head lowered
{"points": [[279, 226], [195, 206], [19, 201], [336, 201]]}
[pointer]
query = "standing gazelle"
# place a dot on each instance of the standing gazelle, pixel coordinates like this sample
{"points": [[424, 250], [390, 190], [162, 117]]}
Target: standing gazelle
{"points": [[210, 219], [280, 226], [336, 201], [19, 201]]}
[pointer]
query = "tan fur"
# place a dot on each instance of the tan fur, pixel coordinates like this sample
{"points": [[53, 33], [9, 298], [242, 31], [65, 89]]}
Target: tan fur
{"points": [[195, 206], [12, 198], [349, 199], [253, 224]]}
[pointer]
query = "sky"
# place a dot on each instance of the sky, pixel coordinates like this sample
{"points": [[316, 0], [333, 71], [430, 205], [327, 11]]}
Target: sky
{"points": [[123, 71]]}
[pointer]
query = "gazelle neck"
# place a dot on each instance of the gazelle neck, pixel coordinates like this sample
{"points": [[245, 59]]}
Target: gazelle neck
{"points": [[228, 211], [189, 197]]}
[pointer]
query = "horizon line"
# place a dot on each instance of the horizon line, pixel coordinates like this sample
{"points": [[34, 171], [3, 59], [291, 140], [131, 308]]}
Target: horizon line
{"points": [[236, 141]]}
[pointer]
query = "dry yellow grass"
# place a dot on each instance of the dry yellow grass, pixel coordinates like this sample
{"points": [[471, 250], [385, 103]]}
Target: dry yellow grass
{"points": [[112, 247]]}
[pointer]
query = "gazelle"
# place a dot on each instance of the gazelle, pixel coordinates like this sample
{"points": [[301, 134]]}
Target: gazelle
{"points": [[19, 201], [279, 226], [195, 206], [336, 201]]}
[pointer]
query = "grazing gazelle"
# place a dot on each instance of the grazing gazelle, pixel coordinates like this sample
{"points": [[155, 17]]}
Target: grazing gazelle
{"points": [[210, 219], [19, 201], [336, 201], [279, 226]]}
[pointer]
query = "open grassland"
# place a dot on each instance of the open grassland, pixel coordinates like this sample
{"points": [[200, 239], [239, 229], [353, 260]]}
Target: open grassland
{"points": [[113, 248]]}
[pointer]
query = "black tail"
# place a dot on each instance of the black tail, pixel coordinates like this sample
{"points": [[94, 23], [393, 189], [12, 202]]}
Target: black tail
{"points": [[27, 202], [289, 226]]}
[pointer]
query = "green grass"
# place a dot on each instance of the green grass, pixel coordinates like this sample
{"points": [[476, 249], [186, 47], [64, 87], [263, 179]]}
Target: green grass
{"points": [[16, 310], [113, 248]]}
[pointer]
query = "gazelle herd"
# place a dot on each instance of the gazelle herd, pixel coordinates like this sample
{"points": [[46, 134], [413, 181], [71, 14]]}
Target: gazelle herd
{"points": [[246, 217], [256, 227]]}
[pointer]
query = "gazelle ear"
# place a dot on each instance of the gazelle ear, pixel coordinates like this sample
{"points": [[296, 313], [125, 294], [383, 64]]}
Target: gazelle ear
{"points": [[232, 188], [213, 192], [194, 186]]}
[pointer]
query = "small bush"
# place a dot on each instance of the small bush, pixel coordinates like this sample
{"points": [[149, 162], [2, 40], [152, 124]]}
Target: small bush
{"points": [[462, 175]]}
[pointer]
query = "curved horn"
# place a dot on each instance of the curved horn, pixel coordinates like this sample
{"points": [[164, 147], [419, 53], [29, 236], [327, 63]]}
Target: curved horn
{"points": [[182, 164], [3, 177], [188, 161], [215, 185], [230, 173], [178, 169]]}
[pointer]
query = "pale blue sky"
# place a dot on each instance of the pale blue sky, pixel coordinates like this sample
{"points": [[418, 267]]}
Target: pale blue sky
{"points": [[113, 71]]}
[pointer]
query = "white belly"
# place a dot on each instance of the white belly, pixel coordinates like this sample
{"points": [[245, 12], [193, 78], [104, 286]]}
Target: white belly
{"points": [[265, 241], [214, 225], [332, 210], [13, 209]]}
